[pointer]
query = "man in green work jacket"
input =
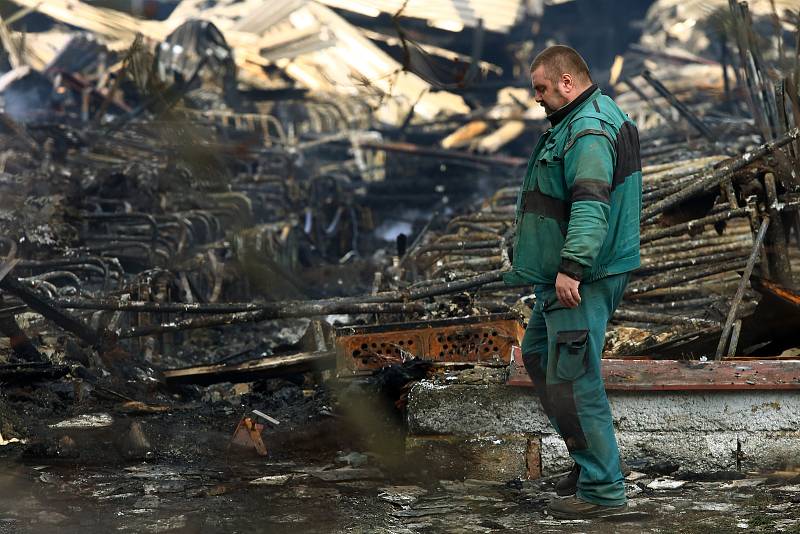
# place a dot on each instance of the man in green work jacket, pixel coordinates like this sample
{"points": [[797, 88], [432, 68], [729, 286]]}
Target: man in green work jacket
{"points": [[577, 240]]}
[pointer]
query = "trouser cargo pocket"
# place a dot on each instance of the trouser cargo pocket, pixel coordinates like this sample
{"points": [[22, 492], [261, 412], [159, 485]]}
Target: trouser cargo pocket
{"points": [[571, 353]]}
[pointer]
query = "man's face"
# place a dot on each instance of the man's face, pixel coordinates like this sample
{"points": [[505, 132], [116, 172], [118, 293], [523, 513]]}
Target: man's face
{"points": [[551, 96]]}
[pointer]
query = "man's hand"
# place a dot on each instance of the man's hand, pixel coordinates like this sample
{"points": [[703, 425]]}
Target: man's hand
{"points": [[567, 290]]}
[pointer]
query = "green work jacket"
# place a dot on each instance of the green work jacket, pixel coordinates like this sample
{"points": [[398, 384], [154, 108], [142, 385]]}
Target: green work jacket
{"points": [[579, 204]]}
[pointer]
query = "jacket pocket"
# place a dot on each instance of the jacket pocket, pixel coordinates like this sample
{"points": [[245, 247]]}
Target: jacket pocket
{"points": [[571, 348], [538, 245], [550, 174]]}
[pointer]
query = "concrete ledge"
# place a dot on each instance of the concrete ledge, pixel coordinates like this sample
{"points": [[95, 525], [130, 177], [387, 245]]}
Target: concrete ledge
{"points": [[692, 451], [479, 409], [494, 408], [698, 431]]}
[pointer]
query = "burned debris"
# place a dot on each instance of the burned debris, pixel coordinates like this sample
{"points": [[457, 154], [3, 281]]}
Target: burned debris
{"points": [[234, 234]]}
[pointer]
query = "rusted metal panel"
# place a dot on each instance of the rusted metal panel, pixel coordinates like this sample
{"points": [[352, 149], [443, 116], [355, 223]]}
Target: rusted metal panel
{"points": [[684, 375], [783, 293], [485, 338]]}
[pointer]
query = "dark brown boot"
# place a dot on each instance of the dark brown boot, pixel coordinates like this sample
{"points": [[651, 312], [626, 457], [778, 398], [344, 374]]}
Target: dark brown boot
{"points": [[569, 484], [626, 470], [575, 508]]}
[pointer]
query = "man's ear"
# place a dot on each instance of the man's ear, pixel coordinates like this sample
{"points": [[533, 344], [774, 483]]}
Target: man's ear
{"points": [[566, 82]]}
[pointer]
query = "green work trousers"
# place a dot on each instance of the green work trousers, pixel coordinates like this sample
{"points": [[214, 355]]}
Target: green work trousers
{"points": [[561, 351]]}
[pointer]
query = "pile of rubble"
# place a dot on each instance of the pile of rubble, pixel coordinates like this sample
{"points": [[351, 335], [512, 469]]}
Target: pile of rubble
{"points": [[180, 196]]}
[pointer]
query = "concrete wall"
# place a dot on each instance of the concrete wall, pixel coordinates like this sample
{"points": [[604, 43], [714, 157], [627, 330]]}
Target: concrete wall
{"points": [[698, 431]]}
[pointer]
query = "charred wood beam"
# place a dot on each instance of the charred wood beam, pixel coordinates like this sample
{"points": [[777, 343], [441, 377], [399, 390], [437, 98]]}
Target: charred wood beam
{"points": [[667, 264], [651, 259], [683, 276], [653, 235], [623, 314], [474, 227], [670, 292], [657, 176], [662, 191], [272, 366], [293, 308], [708, 244], [473, 264], [775, 242], [694, 303], [460, 245], [737, 298], [685, 291], [724, 172], [250, 317], [734, 230], [386, 302], [469, 252]]}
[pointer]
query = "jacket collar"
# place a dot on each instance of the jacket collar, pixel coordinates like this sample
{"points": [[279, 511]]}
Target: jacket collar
{"points": [[561, 113]]}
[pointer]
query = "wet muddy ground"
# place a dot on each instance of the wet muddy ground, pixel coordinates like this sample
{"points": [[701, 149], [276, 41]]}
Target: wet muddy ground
{"points": [[183, 477]]}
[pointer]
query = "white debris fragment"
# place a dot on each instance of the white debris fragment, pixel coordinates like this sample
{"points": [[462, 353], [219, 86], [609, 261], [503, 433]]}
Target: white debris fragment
{"points": [[402, 496], [786, 525], [274, 480], [633, 476], [7, 441], [666, 483], [632, 490], [744, 483], [89, 420], [714, 507]]}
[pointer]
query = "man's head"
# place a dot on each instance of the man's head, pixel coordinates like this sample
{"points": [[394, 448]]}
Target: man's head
{"points": [[559, 75]]}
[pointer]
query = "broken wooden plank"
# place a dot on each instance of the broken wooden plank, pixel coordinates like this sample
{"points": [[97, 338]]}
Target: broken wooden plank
{"points": [[269, 367]]}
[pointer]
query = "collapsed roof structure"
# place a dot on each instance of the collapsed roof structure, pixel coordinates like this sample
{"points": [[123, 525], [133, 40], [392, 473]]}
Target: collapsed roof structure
{"points": [[247, 189]]}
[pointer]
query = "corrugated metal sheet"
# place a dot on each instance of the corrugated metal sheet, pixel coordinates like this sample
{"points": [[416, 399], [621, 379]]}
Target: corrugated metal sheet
{"points": [[323, 52], [497, 15]]}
